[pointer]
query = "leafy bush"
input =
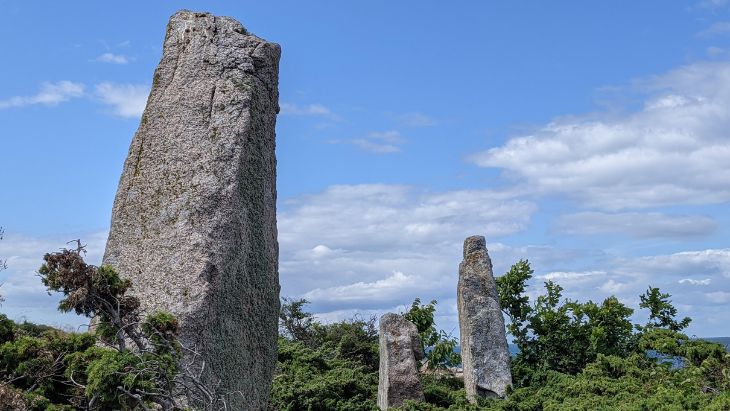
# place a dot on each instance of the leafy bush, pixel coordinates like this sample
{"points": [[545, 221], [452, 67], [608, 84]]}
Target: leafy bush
{"points": [[439, 347], [573, 355], [563, 336], [57, 370], [321, 379], [325, 366]]}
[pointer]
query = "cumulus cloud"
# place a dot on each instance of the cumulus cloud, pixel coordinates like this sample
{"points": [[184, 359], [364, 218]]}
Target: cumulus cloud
{"points": [[291, 109], [416, 120], [692, 281], [714, 51], [348, 240], [682, 264], [380, 142], [382, 215], [614, 287], [638, 225], [718, 297], [51, 94], [713, 4], [718, 28], [571, 276], [673, 150], [113, 58], [387, 289], [375, 147], [126, 100]]}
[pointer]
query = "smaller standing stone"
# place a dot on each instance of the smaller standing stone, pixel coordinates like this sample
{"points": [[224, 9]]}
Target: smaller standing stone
{"points": [[484, 352], [400, 349]]}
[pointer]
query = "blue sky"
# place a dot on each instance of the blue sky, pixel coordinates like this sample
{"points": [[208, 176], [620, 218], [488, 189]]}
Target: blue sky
{"points": [[590, 138]]}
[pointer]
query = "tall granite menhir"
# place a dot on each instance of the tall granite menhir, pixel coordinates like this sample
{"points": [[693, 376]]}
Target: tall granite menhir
{"points": [[484, 352], [194, 218]]}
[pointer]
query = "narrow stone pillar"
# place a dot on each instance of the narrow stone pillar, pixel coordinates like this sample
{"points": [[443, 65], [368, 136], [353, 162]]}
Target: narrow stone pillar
{"points": [[400, 349], [484, 352]]}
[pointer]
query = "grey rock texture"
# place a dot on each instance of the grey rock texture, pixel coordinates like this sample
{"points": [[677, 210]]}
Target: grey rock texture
{"points": [[484, 353], [194, 218], [400, 349]]}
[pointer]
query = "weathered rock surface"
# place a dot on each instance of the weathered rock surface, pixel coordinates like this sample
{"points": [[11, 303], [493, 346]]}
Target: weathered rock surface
{"points": [[194, 218], [484, 353], [400, 349]]}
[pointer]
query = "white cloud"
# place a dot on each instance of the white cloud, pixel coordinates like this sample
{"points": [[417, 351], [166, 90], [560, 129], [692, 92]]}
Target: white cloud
{"points": [[390, 136], [692, 281], [126, 100], [380, 142], [714, 51], [615, 287], [113, 58], [387, 289], [713, 4], [674, 150], [51, 94], [291, 109], [416, 120], [350, 239], [682, 264], [639, 225], [718, 297], [716, 29], [346, 216], [349, 314], [571, 276], [375, 147], [321, 251]]}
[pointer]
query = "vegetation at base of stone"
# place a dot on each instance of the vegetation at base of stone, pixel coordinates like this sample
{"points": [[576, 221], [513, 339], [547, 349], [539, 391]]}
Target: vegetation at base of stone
{"points": [[579, 356], [42, 368], [335, 366], [324, 366], [438, 346], [573, 355], [636, 382], [560, 335]]}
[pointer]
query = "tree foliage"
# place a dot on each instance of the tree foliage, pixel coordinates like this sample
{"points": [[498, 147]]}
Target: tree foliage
{"points": [[661, 311], [580, 356], [100, 370], [324, 366], [439, 347], [560, 335], [294, 322], [573, 355]]}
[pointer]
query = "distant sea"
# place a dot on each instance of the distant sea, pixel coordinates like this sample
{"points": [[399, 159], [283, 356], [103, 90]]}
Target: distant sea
{"points": [[722, 340], [513, 350]]}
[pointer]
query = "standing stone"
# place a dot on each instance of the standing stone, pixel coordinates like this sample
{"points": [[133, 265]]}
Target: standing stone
{"points": [[400, 349], [194, 219], [484, 352]]}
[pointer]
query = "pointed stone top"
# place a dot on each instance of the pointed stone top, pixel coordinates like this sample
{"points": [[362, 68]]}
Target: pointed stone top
{"points": [[189, 21], [474, 244], [185, 24]]}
